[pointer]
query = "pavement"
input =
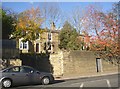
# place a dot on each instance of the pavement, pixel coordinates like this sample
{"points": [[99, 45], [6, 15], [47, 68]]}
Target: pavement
{"points": [[69, 77]]}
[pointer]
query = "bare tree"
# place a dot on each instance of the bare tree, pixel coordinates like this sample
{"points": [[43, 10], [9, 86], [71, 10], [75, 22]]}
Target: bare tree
{"points": [[76, 18], [52, 14]]}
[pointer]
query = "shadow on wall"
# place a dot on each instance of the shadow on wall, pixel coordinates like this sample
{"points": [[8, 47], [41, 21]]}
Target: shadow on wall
{"points": [[40, 62]]}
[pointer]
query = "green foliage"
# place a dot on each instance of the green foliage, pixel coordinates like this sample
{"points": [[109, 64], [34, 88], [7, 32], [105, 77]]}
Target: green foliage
{"points": [[68, 38], [7, 23], [28, 25]]}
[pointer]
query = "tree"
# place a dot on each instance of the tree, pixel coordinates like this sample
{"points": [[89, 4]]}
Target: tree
{"points": [[90, 21], [52, 14], [28, 25], [8, 18], [105, 36], [76, 18], [68, 38]]}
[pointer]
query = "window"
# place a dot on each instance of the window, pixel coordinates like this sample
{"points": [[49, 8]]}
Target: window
{"points": [[26, 70], [14, 69], [49, 36], [37, 47], [49, 46], [21, 45], [24, 45]]}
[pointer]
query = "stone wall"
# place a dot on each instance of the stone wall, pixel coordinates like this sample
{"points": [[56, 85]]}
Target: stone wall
{"points": [[83, 62], [15, 62], [67, 63], [79, 62], [40, 62], [56, 61]]}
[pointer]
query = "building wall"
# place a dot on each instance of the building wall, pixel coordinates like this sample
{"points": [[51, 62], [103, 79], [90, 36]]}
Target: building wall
{"points": [[67, 63], [56, 61], [78, 63], [84, 62], [55, 41], [41, 41]]}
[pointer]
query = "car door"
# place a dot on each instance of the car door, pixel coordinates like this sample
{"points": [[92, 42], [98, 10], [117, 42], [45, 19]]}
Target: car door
{"points": [[15, 75], [28, 73], [25, 75], [36, 77], [33, 75]]}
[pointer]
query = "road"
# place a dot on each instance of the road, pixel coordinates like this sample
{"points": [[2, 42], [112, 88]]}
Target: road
{"points": [[105, 82]]}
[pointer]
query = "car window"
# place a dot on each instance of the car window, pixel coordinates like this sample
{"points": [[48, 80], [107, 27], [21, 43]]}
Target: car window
{"points": [[14, 69], [26, 70]]}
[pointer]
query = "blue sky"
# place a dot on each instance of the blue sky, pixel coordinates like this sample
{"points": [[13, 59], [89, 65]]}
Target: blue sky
{"points": [[66, 7]]}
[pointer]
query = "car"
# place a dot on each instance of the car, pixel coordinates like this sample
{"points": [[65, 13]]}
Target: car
{"points": [[24, 75]]}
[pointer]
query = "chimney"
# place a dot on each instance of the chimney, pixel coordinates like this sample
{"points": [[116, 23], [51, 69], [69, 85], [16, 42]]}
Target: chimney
{"points": [[52, 26]]}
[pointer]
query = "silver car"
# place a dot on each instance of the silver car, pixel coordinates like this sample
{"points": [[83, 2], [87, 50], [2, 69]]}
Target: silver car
{"points": [[24, 75]]}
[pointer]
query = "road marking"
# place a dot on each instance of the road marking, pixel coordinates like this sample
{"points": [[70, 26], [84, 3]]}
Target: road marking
{"points": [[108, 83], [81, 86]]}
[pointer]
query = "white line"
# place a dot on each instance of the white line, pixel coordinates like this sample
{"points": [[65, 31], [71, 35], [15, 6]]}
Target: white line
{"points": [[81, 86], [108, 83]]}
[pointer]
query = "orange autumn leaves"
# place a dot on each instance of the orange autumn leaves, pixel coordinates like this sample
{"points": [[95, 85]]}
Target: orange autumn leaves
{"points": [[102, 29], [30, 20], [28, 25]]}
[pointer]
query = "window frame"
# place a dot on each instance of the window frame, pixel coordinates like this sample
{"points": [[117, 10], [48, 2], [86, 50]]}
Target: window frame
{"points": [[24, 45]]}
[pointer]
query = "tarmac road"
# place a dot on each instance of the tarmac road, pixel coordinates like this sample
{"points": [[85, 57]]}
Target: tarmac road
{"points": [[104, 82]]}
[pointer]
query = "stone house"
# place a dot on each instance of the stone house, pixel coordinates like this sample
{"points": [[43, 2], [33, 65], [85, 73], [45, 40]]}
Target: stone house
{"points": [[47, 42]]}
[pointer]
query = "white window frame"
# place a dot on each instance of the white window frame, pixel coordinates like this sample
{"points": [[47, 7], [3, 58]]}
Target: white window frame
{"points": [[50, 36], [21, 45]]}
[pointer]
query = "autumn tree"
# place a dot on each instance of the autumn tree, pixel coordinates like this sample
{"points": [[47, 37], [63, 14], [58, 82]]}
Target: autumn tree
{"points": [[104, 31], [110, 35], [28, 25], [68, 38]]}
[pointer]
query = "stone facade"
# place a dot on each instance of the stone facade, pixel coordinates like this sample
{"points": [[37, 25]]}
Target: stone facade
{"points": [[78, 63], [15, 62], [66, 63], [56, 61], [47, 42]]}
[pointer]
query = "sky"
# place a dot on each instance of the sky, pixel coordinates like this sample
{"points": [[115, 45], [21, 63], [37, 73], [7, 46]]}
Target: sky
{"points": [[66, 7]]}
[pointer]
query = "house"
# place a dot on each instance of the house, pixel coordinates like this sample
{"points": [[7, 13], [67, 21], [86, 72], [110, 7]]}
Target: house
{"points": [[85, 41], [47, 42]]}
